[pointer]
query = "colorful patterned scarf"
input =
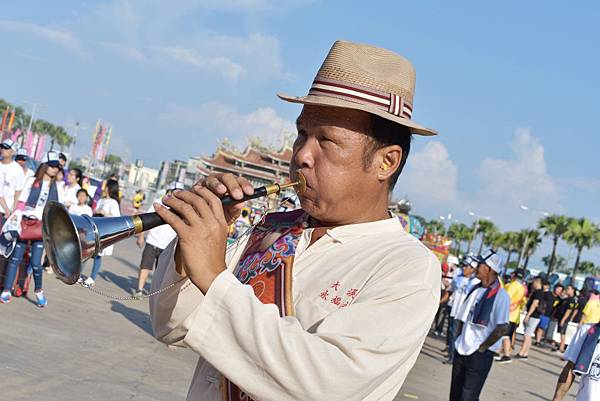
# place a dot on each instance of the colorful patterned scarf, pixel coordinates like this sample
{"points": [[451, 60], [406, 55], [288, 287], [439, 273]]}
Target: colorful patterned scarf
{"points": [[266, 265]]}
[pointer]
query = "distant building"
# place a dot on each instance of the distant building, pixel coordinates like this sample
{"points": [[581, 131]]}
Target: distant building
{"points": [[171, 172], [260, 166], [141, 177]]}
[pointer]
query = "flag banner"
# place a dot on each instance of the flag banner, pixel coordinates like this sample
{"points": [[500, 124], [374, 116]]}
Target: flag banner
{"points": [[11, 120], [4, 115], [29, 142], [36, 141], [16, 134], [41, 147]]}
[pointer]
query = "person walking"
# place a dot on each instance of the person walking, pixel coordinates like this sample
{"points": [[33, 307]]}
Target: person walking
{"points": [[558, 292], [37, 192], [108, 206], [138, 199], [532, 318], [483, 320], [517, 292], [545, 308], [12, 179], [461, 285], [154, 242], [564, 313], [583, 360]]}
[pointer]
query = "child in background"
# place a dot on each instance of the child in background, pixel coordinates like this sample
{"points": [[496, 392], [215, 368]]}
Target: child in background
{"points": [[82, 207]]}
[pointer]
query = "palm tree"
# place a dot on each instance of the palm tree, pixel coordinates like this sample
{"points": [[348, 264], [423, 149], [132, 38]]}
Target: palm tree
{"points": [[493, 239], [534, 239], [560, 262], [435, 226], [509, 242], [554, 226], [486, 228], [459, 232], [474, 229], [582, 233], [588, 267]]}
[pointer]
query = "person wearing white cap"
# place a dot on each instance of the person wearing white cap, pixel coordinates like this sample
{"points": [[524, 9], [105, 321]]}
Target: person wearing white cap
{"points": [[483, 320], [463, 282], [12, 179], [22, 157], [37, 192], [156, 240]]}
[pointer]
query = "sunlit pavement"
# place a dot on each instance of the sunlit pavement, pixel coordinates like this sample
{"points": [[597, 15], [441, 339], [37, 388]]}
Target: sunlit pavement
{"points": [[86, 347]]}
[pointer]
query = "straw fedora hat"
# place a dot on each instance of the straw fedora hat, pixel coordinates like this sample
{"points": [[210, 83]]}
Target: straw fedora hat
{"points": [[366, 78]]}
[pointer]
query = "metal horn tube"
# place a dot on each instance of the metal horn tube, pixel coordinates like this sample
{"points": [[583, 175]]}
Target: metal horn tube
{"points": [[70, 240]]}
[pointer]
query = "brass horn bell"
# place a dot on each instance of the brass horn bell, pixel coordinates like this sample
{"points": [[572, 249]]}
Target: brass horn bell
{"points": [[70, 240]]}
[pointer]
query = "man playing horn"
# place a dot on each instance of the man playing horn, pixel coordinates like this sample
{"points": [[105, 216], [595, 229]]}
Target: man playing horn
{"points": [[331, 301]]}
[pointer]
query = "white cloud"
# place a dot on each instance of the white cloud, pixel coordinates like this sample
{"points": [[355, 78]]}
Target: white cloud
{"points": [[430, 177], [218, 64], [58, 36], [223, 121], [521, 179]]}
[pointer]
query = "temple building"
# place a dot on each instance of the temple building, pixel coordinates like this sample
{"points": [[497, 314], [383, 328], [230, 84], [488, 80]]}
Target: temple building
{"points": [[260, 166]]}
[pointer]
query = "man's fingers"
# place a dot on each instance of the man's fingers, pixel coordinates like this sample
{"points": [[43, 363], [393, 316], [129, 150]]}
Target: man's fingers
{"points": [[213, 202], [246, 186], [171, 219], [183, 209], [233, 186], [222, 184], [214, 184], [198, 202]]}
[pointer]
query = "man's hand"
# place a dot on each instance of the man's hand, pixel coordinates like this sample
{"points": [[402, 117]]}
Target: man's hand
{"points": [[140, 241], [202, 230], [222, 184]]}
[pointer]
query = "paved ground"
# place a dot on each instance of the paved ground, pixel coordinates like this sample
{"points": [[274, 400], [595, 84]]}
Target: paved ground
{"points": [[86, 347]]}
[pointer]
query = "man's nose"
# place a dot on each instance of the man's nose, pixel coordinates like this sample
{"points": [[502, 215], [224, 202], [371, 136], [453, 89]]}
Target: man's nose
{"points": [[304, 154]]}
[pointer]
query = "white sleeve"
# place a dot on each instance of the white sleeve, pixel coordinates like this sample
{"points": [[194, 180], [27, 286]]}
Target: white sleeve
{"points": [[171, 310], [347, 354], [501, 308]]}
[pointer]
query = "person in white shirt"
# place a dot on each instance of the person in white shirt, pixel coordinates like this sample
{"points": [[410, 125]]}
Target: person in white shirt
{"points": [[483, 320], [156, 240], [108, 206], [81, 208], [583, 359], [461, 285], [22, 157], [12, 179], [330, 301], [37, 192], [72, 187]]}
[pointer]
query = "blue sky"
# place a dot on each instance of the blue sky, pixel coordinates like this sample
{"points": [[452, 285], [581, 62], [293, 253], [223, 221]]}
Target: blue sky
{"points": [[512, 88]]}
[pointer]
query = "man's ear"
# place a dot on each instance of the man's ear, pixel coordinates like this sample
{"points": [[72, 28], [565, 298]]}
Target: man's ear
{"points": [[389, 159]]}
